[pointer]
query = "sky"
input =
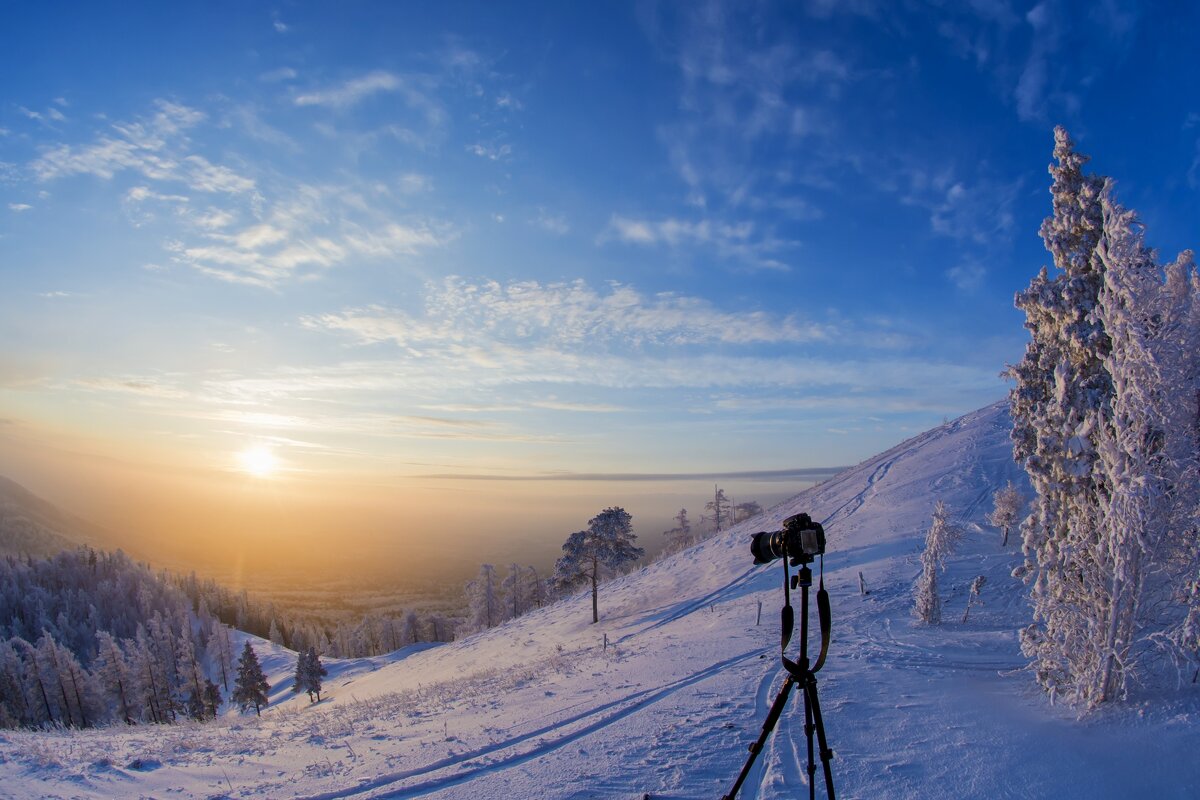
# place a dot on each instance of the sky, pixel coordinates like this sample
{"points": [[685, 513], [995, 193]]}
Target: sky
{"points": [[444, 280]]}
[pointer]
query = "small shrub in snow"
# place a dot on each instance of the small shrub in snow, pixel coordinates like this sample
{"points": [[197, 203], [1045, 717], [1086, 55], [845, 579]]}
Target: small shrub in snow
{"points": [[939, 542]]}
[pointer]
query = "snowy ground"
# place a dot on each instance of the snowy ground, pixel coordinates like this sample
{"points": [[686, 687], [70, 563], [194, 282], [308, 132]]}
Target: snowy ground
{"points": [[539, 708]]}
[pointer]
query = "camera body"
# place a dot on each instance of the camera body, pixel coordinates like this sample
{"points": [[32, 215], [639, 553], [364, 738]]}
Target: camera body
{"points": [[801, 540]]}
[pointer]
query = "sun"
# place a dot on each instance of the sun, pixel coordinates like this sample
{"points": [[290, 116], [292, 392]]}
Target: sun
{"points": [[259, 461]]}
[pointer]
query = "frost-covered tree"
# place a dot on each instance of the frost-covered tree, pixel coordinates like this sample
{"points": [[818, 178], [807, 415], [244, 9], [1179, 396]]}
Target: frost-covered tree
{"points": [[251, 687], [939, 544], [1104, 412], [484, 605], [516, 600], [220, 652], [112, 674], [1007, 505], [679, 537], [1147, 449], [973, 598], [410, 631], [440, 628], [746, 510], [535, 587], [275, 634], [1060, 400], [17, 698], [606, 545], [718, 508]]}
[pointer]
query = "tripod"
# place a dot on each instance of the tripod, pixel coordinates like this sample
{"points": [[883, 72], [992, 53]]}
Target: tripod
{"points": [[800, 673]]}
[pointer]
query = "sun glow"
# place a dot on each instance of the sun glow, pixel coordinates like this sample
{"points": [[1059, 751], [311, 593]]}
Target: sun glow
{"points": [[258, 461]]}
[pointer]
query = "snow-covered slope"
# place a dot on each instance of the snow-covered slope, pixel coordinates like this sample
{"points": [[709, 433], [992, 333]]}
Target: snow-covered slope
{"points": [[541, 708]]}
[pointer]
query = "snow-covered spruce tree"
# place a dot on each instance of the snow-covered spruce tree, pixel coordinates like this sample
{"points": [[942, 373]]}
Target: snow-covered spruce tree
{"points": [[1147, 448], [1007, 504], [251, 687], [1103, 412], [939, 543], [111, 671], [1061, 399], [484, 606], [606, 546], [220, 652]]}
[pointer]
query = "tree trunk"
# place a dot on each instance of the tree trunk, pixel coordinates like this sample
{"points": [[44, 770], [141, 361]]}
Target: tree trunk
{"points": [[595, 603]]}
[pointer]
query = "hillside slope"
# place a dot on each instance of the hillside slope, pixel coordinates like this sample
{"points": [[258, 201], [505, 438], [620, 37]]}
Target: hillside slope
{"points": [[32, 526], [540, 707]]}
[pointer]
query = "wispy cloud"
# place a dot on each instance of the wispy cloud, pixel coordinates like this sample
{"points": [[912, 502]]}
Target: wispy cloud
{"points": [[19, 207], [561, 314], [553, 223], [291, 243], [144, 386], [967, 276], [279, 75], [154, 147], [740, 241], [353, 91], [492, 152]]}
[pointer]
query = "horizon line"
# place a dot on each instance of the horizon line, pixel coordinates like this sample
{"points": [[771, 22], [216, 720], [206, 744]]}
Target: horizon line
{"points": [[809, 473]]}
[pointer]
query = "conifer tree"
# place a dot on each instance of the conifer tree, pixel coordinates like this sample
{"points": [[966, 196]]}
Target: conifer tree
{"points": [[112, 671], [315, 672], [1105, 413], [718, 506], [251, 687], [309, 672], [606, 545], [679, 537], [300, 681], [212, 697], [220, 651], [1059, 403]]}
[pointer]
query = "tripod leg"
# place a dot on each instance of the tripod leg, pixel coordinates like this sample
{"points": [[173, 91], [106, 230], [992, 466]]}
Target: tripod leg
{"points": [[810, 697], [768, 726], [808, 738]]}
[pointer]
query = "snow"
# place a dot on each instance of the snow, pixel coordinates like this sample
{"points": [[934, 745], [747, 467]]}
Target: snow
{"points": [[539, 708]]}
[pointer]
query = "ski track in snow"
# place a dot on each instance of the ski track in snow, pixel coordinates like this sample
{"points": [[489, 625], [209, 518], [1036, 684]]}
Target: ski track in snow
{"points": [[470, 765]]}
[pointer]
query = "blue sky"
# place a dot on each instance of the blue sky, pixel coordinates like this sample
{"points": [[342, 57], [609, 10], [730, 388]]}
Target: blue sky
{"points": [[388, 241]]}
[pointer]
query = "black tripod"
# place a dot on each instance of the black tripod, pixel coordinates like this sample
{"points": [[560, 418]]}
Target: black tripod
{"points": [[800, 673]]}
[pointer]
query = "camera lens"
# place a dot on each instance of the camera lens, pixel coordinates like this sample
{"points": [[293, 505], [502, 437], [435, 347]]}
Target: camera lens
{"points": [[765, 548]]}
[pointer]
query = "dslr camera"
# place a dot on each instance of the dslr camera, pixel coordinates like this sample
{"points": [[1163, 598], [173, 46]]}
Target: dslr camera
{"points": [[801, 540]]}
